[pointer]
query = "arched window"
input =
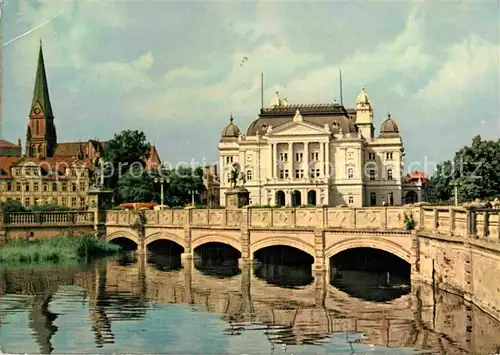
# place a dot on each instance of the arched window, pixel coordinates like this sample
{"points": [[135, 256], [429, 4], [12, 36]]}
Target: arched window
{"points": [[390, 197], [350, 173], [249, 174], [389, 174]]}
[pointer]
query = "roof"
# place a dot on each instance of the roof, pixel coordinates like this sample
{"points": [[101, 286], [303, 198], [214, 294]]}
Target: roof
{"points": [[319, 115], [71, 149], [46, 165], [7, 144], [231, 130]]}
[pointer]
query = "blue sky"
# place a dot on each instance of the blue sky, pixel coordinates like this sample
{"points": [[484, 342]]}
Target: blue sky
{"points": [[172, 69]]}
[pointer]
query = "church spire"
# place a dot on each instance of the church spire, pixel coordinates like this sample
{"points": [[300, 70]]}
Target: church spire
{"points": [[41, 90]]}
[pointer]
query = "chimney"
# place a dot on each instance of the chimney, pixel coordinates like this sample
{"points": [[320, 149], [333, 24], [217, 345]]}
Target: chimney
{"points": [[19, 142]]}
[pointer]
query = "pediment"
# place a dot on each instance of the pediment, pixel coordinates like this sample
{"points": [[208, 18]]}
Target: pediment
{"points": [[300, 128]]}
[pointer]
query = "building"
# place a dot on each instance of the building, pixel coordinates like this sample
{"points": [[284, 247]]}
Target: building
{"points": [[415, 185], [211, 194], [50, 171], [8, 149], [323, 154]]}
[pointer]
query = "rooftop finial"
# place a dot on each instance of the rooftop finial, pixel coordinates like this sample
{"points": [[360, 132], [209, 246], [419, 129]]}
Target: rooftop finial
{"points": [[231, 119], [388, 115]]}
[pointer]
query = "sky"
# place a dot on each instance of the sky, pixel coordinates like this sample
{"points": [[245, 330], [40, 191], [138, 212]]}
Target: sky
{"points": [[173, 69]]}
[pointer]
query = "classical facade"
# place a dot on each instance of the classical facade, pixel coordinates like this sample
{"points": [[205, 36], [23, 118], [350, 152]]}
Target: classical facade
{"points": [[50, 171], [323, 154]]}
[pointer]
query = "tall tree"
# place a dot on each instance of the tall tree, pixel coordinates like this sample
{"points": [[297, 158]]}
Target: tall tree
{"points": [[136, 185], [475, 170], [124, 150]]}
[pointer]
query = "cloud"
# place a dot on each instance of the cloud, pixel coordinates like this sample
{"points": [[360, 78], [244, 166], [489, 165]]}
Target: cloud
{"points": [[174, 69]]}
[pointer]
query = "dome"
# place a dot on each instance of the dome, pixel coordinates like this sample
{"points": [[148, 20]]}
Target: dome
{"points": [[231, 130], [363, 98], [389, 127]]}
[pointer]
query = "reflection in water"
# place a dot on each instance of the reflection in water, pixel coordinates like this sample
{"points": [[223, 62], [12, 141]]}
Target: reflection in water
{"points": [[140, 307], [287, 276], [217, 259]]}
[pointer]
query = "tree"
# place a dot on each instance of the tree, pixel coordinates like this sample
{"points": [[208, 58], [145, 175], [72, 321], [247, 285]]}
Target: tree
{"points": [[475, 169], [127, 148], [181, 181], [12, 206], [136, 185]]}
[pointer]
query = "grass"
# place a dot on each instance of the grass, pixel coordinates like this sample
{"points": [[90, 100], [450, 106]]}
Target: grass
{"points": [[56, 250]]}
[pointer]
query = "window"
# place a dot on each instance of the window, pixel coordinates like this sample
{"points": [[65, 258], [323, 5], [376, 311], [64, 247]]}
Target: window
{"points": [[229, 159], [9, 186], [388, 156], [82, 201], [45, 187], [249, 174], [35, 186], [284, 157], [27, 201], [18, 171], [64, 186], [54, 186], [73, 202], [282, 174], [372, 174], [299, 174], [350, 173], [351, 199], [299, 156], [39, 149], [390, 198], [73, 187], [389, 174], [64, 201], [317, 172], [315, 156], [82, 186], [287, 175], [371, 156], [27, 187], [373, 199], [18, 186], [73, 173]]}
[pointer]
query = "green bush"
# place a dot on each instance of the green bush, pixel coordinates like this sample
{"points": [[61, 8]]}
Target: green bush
{"points": [[49, 207], [55, 250], [12, 206]]}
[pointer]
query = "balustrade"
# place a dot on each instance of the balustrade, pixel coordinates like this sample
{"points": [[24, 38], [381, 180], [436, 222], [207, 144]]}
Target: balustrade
{"points": [[49, 218]]}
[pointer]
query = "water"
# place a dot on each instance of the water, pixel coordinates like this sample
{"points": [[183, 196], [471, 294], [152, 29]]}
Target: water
{"points": [[129, 306]]}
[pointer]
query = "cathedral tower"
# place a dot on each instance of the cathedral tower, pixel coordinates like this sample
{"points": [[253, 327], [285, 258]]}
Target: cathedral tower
{"points": [[41, 138]]}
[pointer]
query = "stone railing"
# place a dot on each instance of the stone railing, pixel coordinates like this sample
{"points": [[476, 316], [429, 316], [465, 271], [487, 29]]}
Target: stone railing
{"points": [[378, 218], [49, 218], [477, 223]]}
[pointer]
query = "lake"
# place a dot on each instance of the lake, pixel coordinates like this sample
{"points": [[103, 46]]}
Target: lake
{"points": [[156, 306]]}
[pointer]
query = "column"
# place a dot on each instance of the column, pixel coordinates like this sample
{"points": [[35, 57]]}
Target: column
{"points": [[290, 160], [322, 158], [306, 159], [327, 159], [274, 159]]}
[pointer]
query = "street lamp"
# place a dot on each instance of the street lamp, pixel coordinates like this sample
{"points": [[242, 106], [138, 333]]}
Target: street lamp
{"points": [[455, 186], [162, 181], [192, 193]]}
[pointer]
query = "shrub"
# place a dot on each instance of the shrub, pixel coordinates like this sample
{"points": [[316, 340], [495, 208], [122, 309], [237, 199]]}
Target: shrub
{"points": [[60, 249], [409, 222]]}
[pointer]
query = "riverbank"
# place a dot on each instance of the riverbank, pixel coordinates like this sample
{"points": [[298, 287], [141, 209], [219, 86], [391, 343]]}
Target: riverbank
{"points": [[56, 250]]}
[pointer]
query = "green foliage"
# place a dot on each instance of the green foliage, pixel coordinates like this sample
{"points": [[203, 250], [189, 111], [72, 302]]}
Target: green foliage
{"points": [[49, 207], [118, 208], [12, 206], [180, 182], [135, 186], [127, 148], [56, 250], [409, 222], [475, 169]]}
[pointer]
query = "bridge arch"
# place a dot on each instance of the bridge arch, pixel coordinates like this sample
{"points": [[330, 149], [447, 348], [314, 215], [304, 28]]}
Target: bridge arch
{"points": [[165, 236], [216, 238], [123, 234], [374, 243], [293, 242]]}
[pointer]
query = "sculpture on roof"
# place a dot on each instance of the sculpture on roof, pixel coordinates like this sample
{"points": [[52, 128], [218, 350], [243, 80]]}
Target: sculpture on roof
{"points": [[235, 172], [277, 101]]}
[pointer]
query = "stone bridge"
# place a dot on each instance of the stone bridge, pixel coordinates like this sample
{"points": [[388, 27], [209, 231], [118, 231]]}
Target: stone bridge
{"points": [[453, 248], [320, 232]]}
